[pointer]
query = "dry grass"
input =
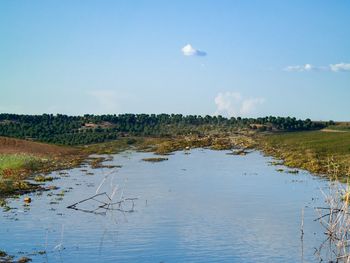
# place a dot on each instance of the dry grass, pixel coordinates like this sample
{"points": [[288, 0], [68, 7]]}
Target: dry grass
{"points": [[335, 219]]}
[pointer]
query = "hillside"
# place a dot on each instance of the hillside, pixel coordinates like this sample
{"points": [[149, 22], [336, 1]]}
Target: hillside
{"points": [[16, 146], [88, 129]]}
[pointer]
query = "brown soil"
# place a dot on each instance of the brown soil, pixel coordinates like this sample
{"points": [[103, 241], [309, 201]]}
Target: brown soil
{"points": [[12, 146]]}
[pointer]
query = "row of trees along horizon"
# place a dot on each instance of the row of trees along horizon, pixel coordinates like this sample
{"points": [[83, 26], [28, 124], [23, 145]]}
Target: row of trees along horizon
{"points": [[87, 129]]}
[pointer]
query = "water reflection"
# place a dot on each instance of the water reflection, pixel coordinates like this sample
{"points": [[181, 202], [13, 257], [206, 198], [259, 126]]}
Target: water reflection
{"points": [[200, 207]]}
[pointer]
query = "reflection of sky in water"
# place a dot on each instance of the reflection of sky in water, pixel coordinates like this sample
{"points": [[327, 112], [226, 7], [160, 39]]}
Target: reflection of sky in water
{"points": [[206, 206]]}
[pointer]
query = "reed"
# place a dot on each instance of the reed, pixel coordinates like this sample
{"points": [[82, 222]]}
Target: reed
{"points": [[335, 219]]}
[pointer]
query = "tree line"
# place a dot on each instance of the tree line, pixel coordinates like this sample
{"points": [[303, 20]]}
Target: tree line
{"points": [[87, 129]]}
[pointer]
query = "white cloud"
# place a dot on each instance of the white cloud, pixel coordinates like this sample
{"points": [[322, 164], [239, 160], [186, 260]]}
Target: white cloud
{"points": [[107, 101], [340, 67], [227, 103], [309, 67], [233, 104], [188, 50], [249, 105], [300, 68]]}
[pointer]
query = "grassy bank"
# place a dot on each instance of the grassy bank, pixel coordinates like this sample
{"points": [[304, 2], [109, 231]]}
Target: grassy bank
{"points": [[316, 151], [20, 159], [14, 168]]}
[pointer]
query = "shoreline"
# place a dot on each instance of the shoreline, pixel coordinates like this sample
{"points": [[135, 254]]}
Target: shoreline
{"points": [[237, 142]]}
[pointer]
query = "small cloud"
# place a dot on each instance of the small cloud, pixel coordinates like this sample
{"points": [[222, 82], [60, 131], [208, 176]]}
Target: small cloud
{"points": [[107, 100], [188, 50], [300, 68], [309, 67], [233, 104], [340, 67]]}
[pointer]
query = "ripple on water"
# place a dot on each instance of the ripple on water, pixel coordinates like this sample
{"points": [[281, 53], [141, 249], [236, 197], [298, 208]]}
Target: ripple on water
{"points": [[200, 207]]}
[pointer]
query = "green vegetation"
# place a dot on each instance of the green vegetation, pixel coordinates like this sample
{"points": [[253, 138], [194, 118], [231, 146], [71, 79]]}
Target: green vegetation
{"points": [[112, 147], [13, 169], [164, 146], [316, 151], [88, 129], [16, 168], [18, 162], [42, 179], [13, 186]]}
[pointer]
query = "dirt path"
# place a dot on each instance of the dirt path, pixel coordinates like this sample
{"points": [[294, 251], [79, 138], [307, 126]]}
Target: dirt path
{"points": [[330, 130]]}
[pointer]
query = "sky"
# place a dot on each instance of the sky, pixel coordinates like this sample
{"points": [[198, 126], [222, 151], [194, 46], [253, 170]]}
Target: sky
{"points": [[235, 58]]}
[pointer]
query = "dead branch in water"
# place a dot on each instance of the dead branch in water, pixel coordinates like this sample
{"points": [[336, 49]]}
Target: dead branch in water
{"points": [[100, 203], [104, 206]]}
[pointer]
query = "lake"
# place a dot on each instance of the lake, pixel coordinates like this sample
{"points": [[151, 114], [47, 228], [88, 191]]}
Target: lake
{"points": [[205, 206]]}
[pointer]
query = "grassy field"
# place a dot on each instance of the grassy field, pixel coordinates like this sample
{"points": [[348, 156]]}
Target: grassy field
{"points": [[19, 159], [13, 169], [340, 127], [317, 151]]}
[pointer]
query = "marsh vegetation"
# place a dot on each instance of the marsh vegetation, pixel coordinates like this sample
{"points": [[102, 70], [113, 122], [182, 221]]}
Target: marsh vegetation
{"points": [[314, 151]]}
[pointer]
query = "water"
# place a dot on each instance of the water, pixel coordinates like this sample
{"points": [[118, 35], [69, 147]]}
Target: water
{"points": [[203, 207]]}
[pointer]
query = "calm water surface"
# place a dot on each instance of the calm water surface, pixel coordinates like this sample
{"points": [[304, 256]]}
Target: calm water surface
{"points": [[206, 206]]}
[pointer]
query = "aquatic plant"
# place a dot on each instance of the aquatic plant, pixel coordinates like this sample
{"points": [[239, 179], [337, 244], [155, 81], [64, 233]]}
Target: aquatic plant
{"points": [[4, 257], [335, 219], [41, 178], [155, 159]]}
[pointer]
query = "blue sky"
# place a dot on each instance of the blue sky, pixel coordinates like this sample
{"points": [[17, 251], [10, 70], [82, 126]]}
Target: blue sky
{"points": [[248, 58]]}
